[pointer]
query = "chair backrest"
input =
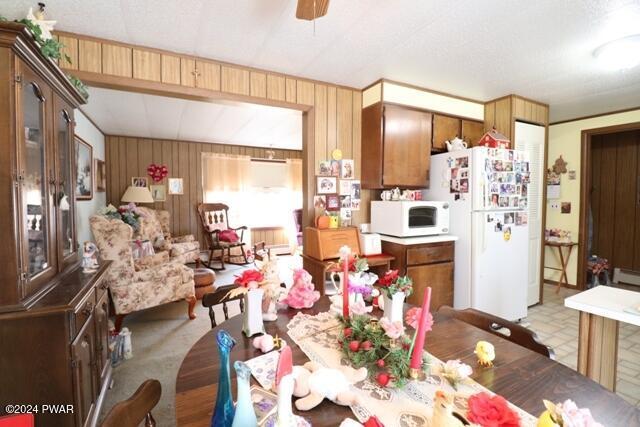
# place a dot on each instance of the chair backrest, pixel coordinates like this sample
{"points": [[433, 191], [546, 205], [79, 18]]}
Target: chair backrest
{"points": [[501, 327], [137, 408], [218, 297], [150, 227], [113, 238], [213, 216]]}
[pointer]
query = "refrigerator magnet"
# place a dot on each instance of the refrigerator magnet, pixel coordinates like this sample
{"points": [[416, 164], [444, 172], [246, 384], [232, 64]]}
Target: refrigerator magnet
{"points": [[506, 234]]}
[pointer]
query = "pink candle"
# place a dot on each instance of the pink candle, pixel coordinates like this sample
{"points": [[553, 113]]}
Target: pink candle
{"points": [[418, 346], [345, 288]]}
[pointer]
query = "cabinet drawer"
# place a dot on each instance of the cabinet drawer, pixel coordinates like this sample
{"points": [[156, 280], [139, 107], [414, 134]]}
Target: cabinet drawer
{"points": [[429, 254], [439, 277], [83, 312], [101, 289]]}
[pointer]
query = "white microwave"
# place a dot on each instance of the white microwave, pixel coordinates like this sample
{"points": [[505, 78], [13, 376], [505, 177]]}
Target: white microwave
{"points": [[409, 218]]}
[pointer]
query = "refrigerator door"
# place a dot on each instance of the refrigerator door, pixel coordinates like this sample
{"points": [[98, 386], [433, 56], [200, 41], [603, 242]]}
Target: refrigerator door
{"points": [[445, 168], [498, 179], [499, 263]]}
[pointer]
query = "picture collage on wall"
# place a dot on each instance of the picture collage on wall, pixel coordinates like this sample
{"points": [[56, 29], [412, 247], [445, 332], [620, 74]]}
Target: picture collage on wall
{"points": [[337, 190]]}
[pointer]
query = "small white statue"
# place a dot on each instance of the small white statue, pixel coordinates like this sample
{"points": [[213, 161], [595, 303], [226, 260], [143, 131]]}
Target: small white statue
{"points": [[395, 194], [456, 144], [89, 257]]}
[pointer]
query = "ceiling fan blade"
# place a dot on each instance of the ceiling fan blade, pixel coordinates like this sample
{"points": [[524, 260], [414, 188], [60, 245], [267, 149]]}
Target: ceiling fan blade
{"points": [[305, 9]]}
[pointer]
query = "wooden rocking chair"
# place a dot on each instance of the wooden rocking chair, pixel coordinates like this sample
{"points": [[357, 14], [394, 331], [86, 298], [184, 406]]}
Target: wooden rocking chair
{"points": [[215, 219]]}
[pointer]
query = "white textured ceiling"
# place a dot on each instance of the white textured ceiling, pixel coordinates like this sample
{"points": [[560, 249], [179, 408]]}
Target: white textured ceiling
{"points": [[150, 116], [481, 49]]}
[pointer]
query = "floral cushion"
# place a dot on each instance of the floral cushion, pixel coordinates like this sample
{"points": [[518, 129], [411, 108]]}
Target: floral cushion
{"points": [[155, 226], [151, 261]]}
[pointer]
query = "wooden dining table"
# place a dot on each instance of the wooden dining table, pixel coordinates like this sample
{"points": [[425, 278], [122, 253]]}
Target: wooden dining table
{"points": [[520, 375]]}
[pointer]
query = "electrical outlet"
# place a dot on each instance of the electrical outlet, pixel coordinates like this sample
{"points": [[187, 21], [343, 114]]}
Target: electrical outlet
{"points": [[555, 205]]}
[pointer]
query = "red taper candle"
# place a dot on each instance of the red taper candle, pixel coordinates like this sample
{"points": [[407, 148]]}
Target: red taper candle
{"points": [[345, 287], [418, 346]]}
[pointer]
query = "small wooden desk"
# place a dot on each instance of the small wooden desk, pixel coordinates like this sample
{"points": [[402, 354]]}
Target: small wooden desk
{"points": [[378, 264], [601, 309], [563, 261]]}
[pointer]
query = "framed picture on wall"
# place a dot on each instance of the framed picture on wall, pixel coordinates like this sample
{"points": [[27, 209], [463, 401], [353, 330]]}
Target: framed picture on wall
{"points": [[140, 181], [84, 172], [158, 192], [101, 175], [175, 186], [326, 185]]}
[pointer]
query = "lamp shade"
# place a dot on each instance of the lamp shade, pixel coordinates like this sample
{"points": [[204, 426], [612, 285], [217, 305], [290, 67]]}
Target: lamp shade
{"points": [[137, 195]]}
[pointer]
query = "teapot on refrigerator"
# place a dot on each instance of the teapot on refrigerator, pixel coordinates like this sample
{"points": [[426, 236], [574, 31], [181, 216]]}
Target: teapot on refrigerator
{"points": [[455, 144]]}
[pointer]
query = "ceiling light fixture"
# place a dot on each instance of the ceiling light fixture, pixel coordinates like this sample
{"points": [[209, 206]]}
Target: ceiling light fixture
{"points": [[620, 54]]}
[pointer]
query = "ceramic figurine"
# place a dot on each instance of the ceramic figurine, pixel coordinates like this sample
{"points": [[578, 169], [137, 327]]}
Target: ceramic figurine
{"points": [[285, 383], [271, 285], [395, 194], [314, 383], [302, 293], [224, 410], [89, 257], [245, 415], [265, 343], [486, 353], [443, 414]]}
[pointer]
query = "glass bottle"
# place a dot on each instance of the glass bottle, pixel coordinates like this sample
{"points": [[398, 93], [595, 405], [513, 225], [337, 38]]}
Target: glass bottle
{"points": [[245, 414], [224, 411]]}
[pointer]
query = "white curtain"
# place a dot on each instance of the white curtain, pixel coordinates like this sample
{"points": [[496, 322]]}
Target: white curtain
{"points": [[294, 175], [225, 172]]}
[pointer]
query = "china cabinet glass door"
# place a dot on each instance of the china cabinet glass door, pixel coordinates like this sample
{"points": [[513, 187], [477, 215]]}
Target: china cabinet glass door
{"points": [[33, 178], [64, 193]]}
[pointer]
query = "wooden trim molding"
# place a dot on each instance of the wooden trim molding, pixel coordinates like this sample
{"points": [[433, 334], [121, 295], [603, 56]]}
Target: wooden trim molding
{"points": [[593, 116]]}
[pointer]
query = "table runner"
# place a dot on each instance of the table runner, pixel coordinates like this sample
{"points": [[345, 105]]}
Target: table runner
{"points": [[317, 336]]}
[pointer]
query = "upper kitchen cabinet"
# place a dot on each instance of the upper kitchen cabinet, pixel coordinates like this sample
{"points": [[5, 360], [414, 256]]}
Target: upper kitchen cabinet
{"points": [[445, 128], [396, 147], [472, 131]]}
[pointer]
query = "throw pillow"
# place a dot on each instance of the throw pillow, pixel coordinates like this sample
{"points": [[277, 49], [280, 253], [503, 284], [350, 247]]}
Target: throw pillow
{"points": [[228, 236]]}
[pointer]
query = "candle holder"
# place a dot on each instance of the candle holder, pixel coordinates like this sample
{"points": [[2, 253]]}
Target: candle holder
{"points": [[417, 374]]}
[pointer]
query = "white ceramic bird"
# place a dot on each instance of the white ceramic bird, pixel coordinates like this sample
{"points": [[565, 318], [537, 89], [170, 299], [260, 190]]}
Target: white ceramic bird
{"points": [[486, 353]]}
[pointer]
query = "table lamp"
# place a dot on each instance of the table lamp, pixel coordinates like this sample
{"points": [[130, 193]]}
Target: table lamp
{"points": [[137, 195]]}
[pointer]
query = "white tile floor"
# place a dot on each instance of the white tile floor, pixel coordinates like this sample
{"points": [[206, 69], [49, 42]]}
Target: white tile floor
{"points": [[557, 327]]}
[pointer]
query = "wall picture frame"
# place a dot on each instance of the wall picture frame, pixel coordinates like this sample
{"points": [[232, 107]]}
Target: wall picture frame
{"points": [[84, 170], [175, 186], [101, 175], [140, 181], [326, 185], [158, 192]]}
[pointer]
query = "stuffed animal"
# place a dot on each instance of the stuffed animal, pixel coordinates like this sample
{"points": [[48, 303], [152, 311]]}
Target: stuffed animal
{"points": [[302, 294], [443, 414], [485, 352], [314, 383]]}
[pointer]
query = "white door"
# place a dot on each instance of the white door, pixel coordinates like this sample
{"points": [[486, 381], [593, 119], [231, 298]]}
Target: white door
{"points": [[499, 265], [530, 139]]}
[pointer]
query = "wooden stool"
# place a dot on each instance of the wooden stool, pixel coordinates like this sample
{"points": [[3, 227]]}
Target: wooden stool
{"points": [[203, 278]]}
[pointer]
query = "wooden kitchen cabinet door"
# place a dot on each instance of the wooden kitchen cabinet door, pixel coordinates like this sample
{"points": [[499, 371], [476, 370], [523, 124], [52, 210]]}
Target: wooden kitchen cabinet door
{"points": [[407, 147], [472, 132], [439, 277], [444, 129]]}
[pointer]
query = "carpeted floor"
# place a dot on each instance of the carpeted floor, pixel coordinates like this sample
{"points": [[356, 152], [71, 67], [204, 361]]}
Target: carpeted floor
{"points": [[161, 337]]}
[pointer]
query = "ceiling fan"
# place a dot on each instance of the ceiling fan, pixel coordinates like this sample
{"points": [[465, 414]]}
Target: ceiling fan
{"points": [[311, 9]]}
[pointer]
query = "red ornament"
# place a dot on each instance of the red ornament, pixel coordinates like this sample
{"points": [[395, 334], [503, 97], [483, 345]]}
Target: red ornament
{"points": [[157, 172], [383, 379], [366, 345], [373, 422], [380, 363], [347, 332], [354, 345]]}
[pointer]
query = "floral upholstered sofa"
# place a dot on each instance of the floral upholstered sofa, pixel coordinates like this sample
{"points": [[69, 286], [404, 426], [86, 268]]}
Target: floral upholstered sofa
{"points": [[154, 226], [143, 283]]}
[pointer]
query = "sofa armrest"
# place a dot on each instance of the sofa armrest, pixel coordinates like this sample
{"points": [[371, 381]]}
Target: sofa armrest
{"points": [[183, 239], [162, 272], [151, 261]]}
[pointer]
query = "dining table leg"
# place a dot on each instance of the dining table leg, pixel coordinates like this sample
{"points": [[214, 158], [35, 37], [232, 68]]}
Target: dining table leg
{"points": [[598, 349]]}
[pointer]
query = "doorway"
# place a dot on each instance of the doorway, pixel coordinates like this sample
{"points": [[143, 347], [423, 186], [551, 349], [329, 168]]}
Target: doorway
{"points": [[610, 198]]}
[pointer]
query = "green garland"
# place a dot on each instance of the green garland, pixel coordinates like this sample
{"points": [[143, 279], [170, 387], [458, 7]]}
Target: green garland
{"points": [[395, 355], [52, 48]]}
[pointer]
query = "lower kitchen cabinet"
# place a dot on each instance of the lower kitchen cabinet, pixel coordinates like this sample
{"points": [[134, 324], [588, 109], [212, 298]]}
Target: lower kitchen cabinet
{"points": [[427, 264]]}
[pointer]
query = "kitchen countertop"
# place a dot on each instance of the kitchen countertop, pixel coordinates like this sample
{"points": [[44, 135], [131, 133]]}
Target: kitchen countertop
{"points": [[418, 240], [608, 302]]}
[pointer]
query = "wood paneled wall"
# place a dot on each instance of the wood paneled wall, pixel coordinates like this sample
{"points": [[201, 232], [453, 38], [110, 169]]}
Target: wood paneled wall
{"points": [[270, 235], [127, 157], [332, 117], [502, 113], [615, 198]]}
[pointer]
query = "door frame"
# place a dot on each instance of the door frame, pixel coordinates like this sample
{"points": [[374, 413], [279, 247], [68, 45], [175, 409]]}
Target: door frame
{"points": [[585, 194]]}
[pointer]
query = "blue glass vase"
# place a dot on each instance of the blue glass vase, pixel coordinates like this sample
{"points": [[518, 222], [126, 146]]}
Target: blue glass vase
{"points": [[224, 411], [245, 414]]}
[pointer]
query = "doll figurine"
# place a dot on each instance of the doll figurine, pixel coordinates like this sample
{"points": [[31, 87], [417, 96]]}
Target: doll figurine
{"points": [[302, 293], [89, 257]]}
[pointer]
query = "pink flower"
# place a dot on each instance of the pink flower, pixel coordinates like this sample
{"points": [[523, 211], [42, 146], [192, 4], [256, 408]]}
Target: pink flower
{"points": [[249, 279], [491, 411], [359, 308], [393, 330], [413, 318], [574, 416]]}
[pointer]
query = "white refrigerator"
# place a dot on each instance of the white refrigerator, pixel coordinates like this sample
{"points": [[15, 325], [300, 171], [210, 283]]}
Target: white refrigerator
{"points": [[487, 189]]}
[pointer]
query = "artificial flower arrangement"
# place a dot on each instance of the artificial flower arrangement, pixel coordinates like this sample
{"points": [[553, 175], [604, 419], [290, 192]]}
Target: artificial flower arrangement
{"points": [[566, 414], [361, 280], [129, 214], [392, 283], [491, 410]]}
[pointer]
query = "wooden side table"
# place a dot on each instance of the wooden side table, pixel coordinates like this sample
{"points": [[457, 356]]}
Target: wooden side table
{"points": [[378, 264], [564, 261]]}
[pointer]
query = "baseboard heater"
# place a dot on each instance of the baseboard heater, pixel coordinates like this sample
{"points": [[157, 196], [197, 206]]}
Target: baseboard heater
{"points": [[628, 277]]}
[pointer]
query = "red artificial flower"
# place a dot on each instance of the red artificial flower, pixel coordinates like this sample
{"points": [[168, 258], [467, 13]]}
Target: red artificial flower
{"points": [[491, 411], [247, 277], [389, 278]]}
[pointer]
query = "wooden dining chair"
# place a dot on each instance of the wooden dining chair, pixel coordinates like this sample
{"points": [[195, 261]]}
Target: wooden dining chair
{"points": [[216, 298], [137, 408], [503, 328]]}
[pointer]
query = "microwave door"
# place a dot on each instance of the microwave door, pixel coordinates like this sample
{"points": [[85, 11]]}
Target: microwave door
{"points": [[423, 217]]}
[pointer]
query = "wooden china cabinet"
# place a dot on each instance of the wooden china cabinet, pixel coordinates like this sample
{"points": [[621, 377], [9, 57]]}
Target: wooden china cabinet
{"points": [[53, 317]]}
